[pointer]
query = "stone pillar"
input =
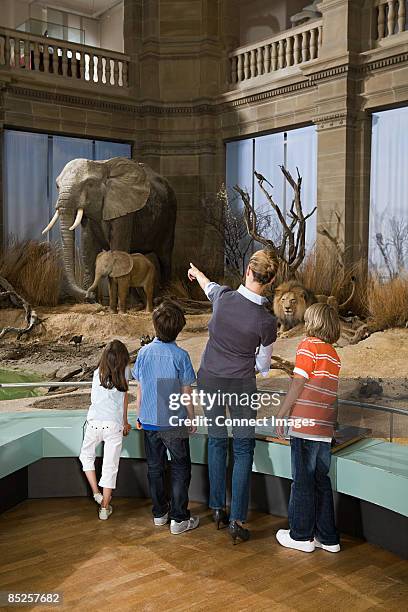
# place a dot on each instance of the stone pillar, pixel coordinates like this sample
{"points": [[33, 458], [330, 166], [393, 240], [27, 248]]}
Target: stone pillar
{"points": [[343, 23], [344, 134], [178, 70], [132, 38], [343, 179]]}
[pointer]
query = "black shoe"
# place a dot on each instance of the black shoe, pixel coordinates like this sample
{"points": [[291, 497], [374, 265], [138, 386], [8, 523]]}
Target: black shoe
{"points": [[220, 516], [236, 531]]}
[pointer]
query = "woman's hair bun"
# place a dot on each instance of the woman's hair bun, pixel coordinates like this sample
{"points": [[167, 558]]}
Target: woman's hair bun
{"points": [[263, 265]]}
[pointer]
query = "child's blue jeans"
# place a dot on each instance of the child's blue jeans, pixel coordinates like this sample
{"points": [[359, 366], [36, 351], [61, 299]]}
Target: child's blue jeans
{"points": [[157, 443], [311, 508]]}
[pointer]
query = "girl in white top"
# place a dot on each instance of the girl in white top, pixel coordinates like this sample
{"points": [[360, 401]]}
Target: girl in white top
{"points": [[107, 421]]}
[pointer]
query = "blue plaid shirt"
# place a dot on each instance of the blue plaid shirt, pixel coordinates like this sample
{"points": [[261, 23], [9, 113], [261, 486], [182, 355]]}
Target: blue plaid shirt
{"points": [[161, 368]]}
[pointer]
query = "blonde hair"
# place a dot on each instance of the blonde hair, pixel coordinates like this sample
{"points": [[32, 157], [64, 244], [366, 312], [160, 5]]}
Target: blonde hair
{"points": [[322, 321], [263, 265]]}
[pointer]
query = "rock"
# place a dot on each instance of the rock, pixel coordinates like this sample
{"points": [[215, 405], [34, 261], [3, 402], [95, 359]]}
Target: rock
{"points": [[370, 388]]}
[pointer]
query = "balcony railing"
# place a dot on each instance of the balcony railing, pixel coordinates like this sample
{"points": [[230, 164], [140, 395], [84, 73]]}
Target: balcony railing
{"points": [[290, 48], [21, 51], [390, 17]]}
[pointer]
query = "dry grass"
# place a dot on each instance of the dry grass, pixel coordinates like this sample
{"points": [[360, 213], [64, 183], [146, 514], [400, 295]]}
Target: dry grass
{"points": [[324, 275], [34, 269], [387, 302]]}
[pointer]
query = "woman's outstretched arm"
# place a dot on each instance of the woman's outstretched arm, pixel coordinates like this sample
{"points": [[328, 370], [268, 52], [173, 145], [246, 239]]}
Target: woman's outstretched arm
{"points": [[196, 274]]}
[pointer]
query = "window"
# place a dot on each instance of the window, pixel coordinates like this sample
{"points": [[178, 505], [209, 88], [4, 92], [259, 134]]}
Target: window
{"points": [[388, 241], [31, 164], [294, 149]]}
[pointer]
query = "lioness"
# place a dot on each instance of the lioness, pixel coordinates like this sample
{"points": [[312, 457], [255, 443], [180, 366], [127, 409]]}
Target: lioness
{"points": [[291, 300]]}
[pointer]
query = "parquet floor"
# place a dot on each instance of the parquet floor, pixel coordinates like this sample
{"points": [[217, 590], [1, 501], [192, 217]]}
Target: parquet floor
{"points": [[126, 563]]}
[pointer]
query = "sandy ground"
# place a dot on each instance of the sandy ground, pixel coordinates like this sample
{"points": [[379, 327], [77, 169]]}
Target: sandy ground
{"points": [[383, 357]]}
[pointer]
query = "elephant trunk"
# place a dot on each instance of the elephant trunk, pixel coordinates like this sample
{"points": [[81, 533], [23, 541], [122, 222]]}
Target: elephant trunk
{"points": [[94, 286], [68, 256]]}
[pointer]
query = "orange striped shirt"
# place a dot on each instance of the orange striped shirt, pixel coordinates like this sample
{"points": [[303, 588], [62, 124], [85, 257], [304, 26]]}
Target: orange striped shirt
{"points": [[319, 363]]}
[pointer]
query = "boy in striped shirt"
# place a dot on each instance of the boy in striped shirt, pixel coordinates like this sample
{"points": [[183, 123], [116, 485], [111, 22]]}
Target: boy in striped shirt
{"points": [[311, 404]]}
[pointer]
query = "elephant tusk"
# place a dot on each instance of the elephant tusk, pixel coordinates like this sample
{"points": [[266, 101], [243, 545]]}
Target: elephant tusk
{"points": [[51, 223], [78, 219]]}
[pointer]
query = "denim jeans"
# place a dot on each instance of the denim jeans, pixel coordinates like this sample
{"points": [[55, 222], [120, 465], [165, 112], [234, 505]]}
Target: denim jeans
{"points": [[311, 508], [243, 446], [156, 445]]}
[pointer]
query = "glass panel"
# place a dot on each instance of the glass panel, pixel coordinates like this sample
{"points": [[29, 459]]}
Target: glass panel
{"points": [[106, 150], [388, 242], [302, 153], [239, 167], [239, 171], [269, 155], [31, 164], [297, 148], [26, 209]]}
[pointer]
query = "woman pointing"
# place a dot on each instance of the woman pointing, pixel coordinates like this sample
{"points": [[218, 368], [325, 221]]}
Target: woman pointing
{"points": [[241, 334]]}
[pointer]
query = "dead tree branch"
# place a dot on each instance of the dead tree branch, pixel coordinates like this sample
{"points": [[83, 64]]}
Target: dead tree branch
{"points": [[31, 317], [335, 239], [290, 249], [229, 224], [282, 364]]}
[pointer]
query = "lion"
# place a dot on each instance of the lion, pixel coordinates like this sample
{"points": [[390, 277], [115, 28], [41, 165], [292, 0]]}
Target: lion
{"points": [[291, 299]]}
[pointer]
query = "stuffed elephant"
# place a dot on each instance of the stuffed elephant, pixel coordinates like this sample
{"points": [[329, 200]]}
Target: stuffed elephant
{"points": [[121, 205], [124, 271]]}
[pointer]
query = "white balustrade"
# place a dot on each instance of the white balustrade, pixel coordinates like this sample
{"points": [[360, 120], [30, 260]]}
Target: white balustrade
{"points": [[390, 17], [290, 48], [62, 59]]}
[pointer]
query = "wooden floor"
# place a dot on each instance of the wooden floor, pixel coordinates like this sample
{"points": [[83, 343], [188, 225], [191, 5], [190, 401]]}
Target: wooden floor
{"points": [[126, 563]]}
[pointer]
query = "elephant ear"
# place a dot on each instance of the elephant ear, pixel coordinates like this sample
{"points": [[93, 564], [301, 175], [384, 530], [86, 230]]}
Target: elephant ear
{"points": [[122, 264], [127, 188]]}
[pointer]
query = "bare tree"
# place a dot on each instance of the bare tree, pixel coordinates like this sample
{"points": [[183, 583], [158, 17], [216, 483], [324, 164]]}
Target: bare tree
{"points": [[290, 249], [231, 228], [394, 246]]}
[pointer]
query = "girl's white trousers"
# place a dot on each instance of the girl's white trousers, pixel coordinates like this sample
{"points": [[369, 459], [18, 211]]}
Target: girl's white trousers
{"points": [[111, 434]]}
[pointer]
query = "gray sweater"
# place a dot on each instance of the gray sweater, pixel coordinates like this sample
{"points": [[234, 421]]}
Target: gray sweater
{"points": [[239, 325]]}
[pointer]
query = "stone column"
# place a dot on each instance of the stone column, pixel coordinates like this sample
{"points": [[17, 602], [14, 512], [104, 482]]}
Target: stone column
{"points": [[179, 71], [343, 179], [344, 133], [343, 23], [132, 38]]}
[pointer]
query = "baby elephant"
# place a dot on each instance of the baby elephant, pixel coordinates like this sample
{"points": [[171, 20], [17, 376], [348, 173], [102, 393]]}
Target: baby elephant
{"points": [[124, 271]]}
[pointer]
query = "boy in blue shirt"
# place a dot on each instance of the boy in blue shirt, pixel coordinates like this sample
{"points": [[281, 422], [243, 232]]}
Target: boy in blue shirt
{"points": [[165, 375]]}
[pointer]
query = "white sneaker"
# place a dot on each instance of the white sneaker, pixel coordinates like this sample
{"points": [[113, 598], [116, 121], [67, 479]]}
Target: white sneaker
{"points": [[191, 523], [334, 548], [284, 539], [104, 513], [159, 521], [98, 497]]}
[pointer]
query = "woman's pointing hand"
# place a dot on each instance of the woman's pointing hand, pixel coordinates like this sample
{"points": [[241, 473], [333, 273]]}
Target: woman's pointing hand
{"points": [[193, 272]]}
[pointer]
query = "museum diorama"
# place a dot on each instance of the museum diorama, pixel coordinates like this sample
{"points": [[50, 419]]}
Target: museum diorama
{"points": [[208, 192]]}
